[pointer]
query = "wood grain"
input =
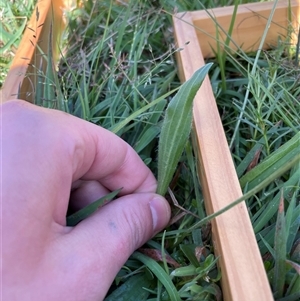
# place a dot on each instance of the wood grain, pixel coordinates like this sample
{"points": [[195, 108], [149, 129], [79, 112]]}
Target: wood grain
{"points": [[28, 61], [249, 26], [243, 273]]}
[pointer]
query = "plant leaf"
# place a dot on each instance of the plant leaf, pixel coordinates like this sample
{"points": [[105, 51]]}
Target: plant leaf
{"points": [[189, 252], [160, 273], [176, 128], [280, 251], [133, 289], [10, 39], [295, 265], [80, 215], [276, 160], [277, 173]]}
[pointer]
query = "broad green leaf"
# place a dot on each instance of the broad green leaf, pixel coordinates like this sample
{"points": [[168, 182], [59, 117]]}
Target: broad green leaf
{"points": [[160, 273], [176, 128], [80, 215]]}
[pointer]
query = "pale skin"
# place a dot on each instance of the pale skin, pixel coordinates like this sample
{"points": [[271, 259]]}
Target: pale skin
{"points": [[46, 154]]}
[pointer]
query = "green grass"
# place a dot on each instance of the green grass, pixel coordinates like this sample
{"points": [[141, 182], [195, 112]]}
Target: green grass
{"points": [[119, 71], [13, 16]]}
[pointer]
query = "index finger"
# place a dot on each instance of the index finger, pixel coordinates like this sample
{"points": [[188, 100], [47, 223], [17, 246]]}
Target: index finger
{"points": [[98, 154], [82, 149]]}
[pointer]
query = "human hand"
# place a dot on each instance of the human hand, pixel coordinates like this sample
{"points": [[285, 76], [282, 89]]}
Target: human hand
{"points": [[45, 154]]}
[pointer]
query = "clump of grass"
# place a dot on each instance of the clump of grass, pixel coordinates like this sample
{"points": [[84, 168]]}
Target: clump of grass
{"points": [[120, 61], [270, 120], [13, 16], [267, 125], [119, 72]]}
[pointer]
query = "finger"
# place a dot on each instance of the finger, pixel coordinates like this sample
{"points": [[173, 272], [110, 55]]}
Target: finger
{"points": [[85, 192], [110, 236], [91, 152], [65, 149], [98, 154]]}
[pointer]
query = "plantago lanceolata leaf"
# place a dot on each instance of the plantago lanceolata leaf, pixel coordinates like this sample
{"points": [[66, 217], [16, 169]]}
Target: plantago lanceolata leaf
{"points": [[176, 128]]}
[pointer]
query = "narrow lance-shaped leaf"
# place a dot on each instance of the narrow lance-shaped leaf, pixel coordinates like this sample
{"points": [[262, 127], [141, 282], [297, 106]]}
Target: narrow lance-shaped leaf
{"points": [[248, 194], [160, 273], [176, 128], [85, 212], [280, 251], [277, 160], [49, 93]]}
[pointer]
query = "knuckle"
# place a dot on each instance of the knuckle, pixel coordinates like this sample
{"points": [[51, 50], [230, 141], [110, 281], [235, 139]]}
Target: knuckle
{"points": [[137, 223]]}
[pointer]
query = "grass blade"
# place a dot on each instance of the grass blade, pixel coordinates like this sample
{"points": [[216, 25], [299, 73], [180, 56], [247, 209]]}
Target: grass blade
{"points": [[260, 47], [280, 252], [146, 138], [80, 215], [250, 193], [49, 84], [292, 217], [275, 161], [116, 128], [189, 252], [133, 289], [160, 273], [176, 128], [292, 297], [266, 212], [10, 39]]}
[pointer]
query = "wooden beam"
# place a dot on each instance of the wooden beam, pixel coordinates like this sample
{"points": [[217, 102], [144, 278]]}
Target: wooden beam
{"points": [[243, 274], [249, 25], [30, 59]]}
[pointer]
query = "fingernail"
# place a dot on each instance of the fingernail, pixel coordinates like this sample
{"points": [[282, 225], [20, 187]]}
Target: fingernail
{"points": [[161, 212]]}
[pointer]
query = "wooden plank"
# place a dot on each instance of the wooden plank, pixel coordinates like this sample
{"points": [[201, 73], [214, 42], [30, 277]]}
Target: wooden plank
{"points": [[243, 274], [249, 25], [28, 61]]}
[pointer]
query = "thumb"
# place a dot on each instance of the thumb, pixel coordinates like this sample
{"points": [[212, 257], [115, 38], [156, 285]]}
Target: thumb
{"points": [[107, 238]]}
